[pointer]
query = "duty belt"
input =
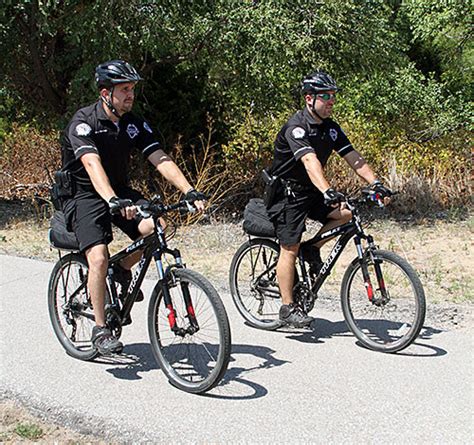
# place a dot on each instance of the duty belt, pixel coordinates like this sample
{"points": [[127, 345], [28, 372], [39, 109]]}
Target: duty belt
{"points": [[297, 187]]}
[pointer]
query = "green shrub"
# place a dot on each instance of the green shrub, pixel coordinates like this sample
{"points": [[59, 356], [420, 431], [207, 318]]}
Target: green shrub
{"points": [[29, 431]]}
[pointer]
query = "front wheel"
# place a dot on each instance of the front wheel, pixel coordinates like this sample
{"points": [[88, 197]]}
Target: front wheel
{"points": [[383, 301], [191, 342]]}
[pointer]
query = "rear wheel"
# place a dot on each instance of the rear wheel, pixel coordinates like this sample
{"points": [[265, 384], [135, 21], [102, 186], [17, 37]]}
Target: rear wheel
{"points": [[194, 360], [70, 306], [393, 317], [253, 283]]}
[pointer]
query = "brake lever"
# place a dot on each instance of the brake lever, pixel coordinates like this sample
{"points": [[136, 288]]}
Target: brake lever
{"points": [[143, 212], [190, 207]]}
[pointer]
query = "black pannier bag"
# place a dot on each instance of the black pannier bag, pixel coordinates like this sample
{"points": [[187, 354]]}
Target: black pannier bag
{"points": [[256, 219], [59, 236]]}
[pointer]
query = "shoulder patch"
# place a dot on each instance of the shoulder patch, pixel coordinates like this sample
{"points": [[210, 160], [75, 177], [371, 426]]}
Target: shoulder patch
{"points": [[83, 129], [298, 133], [147, 127], [132, 130], [333, 134]]}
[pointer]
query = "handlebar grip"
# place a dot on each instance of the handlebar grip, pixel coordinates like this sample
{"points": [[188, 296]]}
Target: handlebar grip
{"points": [[116, 205]]}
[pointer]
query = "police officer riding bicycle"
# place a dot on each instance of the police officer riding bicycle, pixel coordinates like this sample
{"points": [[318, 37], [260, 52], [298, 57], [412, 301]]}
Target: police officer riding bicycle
{"points": [[302, 149], [96, 148]]}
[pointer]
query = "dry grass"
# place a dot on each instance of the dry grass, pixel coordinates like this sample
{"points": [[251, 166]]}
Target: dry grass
{"points": [[440, 251]]}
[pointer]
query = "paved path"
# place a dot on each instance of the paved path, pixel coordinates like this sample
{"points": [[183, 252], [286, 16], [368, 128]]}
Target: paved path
{"points": [[281, 387]]}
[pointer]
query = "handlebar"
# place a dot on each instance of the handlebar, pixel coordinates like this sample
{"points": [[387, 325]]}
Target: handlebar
{"points": [[368, 196], [156, 208]]}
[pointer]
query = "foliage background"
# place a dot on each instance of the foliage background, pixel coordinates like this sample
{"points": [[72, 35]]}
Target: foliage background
{"points": [[222, 76]]}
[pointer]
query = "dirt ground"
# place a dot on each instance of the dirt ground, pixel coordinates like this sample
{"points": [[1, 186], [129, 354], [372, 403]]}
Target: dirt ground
{"points": [[440, 250], [18, 425]]}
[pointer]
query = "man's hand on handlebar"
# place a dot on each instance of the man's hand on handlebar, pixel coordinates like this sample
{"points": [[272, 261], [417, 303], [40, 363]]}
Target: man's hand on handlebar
{"points": [[333, 198], [196, 199], [381, 192], [123, 206]]}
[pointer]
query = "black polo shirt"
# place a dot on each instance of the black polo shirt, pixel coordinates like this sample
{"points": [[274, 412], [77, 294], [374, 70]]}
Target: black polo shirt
{"points": [[91, 131], [302, 135]]}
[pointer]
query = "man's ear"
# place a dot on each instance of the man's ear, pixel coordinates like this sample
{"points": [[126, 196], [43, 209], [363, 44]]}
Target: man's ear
{"points": [[104, 92]]}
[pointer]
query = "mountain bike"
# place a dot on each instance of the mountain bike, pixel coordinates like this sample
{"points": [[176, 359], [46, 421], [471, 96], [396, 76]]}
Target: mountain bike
{"points": [[382, 298], [187, 322]]}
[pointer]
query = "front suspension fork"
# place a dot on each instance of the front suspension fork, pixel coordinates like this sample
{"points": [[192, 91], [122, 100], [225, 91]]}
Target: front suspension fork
{"points": [[171, 312], [363, 256]]}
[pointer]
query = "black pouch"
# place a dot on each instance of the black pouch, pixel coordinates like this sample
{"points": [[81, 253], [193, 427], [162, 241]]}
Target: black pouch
{"points": [[62, 188], [55, 198], [271, 187], [65, 183]]}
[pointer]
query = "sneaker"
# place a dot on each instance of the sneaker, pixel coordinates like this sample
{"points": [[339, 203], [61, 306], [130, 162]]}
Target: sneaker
{"points": [[124, 277], [104, 341], [293, 315], [312, 255]]}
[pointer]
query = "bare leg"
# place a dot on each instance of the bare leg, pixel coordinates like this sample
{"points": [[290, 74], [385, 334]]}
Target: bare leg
{"points": [[145, 228], [286, 271], [97, 260], [336, 218]]}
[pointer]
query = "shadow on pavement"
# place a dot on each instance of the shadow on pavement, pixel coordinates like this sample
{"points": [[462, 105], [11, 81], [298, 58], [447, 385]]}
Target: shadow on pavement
{"points": [[135, 359], [138, 358], [322, 329], [235, 385]]}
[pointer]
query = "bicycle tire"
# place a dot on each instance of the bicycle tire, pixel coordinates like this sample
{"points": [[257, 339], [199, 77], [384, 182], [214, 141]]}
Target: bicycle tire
{"points": [[73, 330], [259, 306], [195, 362], [384, 326]]}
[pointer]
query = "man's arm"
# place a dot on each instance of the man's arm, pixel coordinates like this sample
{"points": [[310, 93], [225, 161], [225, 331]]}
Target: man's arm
{"points": [[360, 166], [96, 172], [170, 171], [315, 171], [101, 183]]}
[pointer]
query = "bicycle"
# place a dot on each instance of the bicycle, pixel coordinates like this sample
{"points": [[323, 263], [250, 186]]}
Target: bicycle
{"points": [[187, 322], [382, 298]]}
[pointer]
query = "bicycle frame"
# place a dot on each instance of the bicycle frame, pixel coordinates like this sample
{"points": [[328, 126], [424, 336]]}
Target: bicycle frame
{"points": [[352, 229], [345, 232], [154, 246]]}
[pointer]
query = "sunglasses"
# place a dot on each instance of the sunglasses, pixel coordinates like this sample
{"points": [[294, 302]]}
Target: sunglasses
{"points": [[326, 96]]}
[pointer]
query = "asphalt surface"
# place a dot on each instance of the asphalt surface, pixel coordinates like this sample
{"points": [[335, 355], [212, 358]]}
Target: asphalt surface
{"points": [[314, 386]]}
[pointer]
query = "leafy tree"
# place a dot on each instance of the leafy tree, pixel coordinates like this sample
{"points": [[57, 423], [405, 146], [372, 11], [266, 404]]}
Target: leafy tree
{"points": [[407, 64]]}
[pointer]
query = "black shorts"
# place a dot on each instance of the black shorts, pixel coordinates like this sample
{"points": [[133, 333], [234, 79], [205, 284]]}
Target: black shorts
{"points": [[89, 217], [289, 214]]}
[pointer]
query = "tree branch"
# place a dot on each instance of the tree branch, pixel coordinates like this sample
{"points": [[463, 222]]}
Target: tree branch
{"points": [[39, 75]]}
